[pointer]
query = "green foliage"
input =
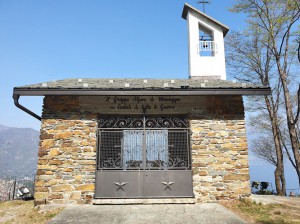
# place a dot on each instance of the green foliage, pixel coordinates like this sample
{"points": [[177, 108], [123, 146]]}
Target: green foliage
{"points": [[264, 192], [262, 188], [264, 185], [255, 184]]}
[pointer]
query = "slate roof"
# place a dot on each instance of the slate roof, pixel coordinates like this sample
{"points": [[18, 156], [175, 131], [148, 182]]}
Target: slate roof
{"points": [[114, 84], [137, 87]]}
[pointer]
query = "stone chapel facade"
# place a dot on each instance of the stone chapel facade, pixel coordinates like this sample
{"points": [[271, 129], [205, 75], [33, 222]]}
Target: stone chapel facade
{"points": [[146, 140]]}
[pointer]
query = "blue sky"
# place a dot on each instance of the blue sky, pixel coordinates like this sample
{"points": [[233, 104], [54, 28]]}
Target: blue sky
{"points": [[51, 40], [57, 39]]}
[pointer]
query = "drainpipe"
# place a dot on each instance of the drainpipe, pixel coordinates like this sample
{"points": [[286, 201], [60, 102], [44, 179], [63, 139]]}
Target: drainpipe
{"points": [[16, 101]]}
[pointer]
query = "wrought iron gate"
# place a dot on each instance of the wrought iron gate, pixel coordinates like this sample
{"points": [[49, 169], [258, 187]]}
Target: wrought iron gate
{"points": [[143, 157]]}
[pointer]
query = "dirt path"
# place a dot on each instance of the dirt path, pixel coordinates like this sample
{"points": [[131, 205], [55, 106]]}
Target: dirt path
{"points": [[273, 199]]}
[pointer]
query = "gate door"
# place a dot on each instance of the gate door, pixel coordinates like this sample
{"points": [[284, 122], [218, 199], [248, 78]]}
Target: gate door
{"points": [[143, 158]]}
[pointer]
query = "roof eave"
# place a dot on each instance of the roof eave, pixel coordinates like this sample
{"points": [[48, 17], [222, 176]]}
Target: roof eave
{"points": [[188, 7], [138, 92]]}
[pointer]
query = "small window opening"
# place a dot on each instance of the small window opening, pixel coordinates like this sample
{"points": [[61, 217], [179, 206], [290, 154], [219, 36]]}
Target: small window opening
{"points": [[207, 45]]}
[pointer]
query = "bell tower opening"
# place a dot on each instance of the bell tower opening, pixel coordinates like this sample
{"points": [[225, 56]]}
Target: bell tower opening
{"points": [[206, 42]]}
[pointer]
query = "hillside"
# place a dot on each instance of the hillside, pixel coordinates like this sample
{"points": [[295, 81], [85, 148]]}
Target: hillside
{"points": [[18, 151]]}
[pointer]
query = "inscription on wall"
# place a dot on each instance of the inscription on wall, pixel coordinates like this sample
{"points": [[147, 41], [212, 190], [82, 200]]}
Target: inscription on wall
{"points": [[161, 103]]}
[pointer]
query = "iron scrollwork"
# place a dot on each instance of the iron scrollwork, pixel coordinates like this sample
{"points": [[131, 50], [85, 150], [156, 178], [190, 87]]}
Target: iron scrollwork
{"points": [[120, 122], [151, 122], [166, 123], [177, 162], [112, 162]]}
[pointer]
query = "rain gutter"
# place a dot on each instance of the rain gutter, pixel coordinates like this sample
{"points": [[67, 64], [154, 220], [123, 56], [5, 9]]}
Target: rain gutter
{"points": [[16, 101], [140, 92]]}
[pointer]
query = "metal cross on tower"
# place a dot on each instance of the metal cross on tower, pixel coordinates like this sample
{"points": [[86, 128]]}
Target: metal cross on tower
{"points": [[203, 2]]}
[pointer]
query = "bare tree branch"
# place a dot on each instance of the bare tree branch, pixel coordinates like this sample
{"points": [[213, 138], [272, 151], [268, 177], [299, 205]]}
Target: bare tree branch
{"points": [[287, 151]]}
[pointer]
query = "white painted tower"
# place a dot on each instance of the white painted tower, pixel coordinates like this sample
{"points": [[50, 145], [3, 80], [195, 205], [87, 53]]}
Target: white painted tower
{"points": [[205, 45]]}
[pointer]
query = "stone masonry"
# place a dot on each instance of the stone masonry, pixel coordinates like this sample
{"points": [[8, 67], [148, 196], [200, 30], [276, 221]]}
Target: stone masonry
{"points": [[67, 151], [220, 153], [219, 160]]}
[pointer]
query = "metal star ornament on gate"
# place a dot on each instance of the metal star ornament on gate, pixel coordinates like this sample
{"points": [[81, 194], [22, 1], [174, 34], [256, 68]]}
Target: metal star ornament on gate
{"points": [[120, 185], [168, 184]]}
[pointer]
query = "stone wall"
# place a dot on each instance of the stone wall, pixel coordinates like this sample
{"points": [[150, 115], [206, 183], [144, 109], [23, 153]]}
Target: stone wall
{"points": [[67, 151], [220, 153]]}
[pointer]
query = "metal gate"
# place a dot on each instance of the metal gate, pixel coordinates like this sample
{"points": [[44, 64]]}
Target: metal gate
{"points": [[143, 157]]}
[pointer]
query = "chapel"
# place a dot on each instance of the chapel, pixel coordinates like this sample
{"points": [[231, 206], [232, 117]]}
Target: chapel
{"points": [[126, 140]]}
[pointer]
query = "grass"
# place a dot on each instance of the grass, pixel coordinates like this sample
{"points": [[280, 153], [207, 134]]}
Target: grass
{"points": [[24, 212], [265, 214]]}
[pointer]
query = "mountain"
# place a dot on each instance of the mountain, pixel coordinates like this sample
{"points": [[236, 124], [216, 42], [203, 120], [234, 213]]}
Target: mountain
{"points": [[2, 127], [18, 152]]}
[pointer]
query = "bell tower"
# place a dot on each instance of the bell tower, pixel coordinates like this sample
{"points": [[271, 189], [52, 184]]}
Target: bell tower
{"points": [[205, 45]]}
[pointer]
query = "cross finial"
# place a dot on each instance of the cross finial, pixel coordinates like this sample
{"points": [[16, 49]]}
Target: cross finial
{"points": [[203, 2]]}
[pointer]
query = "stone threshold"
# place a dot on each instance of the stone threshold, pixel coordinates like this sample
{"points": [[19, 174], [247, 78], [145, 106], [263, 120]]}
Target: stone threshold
{"points": [[144, 201]]}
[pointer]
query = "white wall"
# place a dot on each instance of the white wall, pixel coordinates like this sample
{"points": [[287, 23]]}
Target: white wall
{"points": [[205, 65]]}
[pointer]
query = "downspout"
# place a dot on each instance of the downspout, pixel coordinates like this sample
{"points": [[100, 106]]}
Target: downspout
{"points": [[16, 101]]}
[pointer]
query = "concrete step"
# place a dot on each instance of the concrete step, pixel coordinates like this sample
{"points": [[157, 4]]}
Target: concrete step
{"points": [[144, 201]]}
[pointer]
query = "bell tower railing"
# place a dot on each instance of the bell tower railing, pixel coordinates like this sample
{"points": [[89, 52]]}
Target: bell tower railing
{"points": [[207, 46]]}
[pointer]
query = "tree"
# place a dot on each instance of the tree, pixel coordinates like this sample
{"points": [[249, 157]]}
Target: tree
{"points": [[264, 148], [263, 144], [276, 21], [252, 62]]}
